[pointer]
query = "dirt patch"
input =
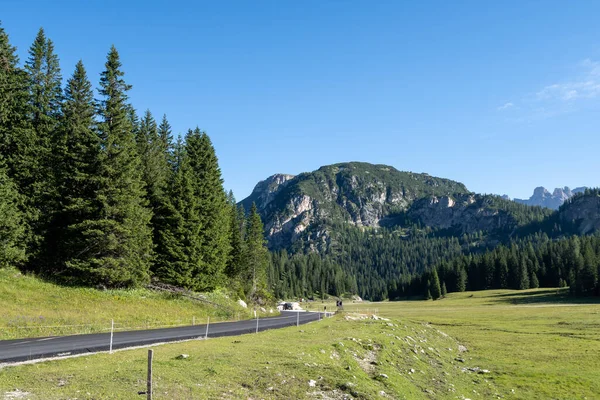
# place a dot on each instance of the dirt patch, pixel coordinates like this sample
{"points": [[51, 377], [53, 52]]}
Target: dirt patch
{"points": [[15, 394]]}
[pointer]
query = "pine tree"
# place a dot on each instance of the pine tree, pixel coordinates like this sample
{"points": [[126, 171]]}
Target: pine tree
{"points": [[12, 225], [155, 170], [166, 139], [179, 248], [213, 211], [256, 255], [523, 278], [39, 185], [436, 291], [17, 141], [118, 248], [236, 254], [444, 291], [77, 152]]}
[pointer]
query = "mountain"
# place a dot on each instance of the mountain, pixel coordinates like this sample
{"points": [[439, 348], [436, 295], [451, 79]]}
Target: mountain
{"points": [[359, 194], [357, 227], [543, 198], [581, 212]]}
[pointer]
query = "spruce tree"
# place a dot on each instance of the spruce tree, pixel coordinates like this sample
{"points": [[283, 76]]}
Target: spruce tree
{"points": [[213, 211], [119, 238], [236, 254], [256, 256], [45, 96], [179, 247], [17, 141], [77, 172], [166, 139], [12, 225], [444, 290], [436, 291], [155, 170]]}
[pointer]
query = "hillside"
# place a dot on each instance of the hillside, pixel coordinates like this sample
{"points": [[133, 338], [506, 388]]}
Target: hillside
{"points": [[32, 307], [359, 194], [371, 225]]}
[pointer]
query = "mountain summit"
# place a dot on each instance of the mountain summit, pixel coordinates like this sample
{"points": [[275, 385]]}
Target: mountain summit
{"points": [[543, 198], [356, 193]]}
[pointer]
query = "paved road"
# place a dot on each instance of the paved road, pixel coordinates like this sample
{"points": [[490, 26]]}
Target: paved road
{"points": [[36, 348]]}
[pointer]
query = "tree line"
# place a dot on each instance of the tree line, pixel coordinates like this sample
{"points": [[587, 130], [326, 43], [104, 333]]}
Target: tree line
{"points": [[93, 194], [536, 261]]}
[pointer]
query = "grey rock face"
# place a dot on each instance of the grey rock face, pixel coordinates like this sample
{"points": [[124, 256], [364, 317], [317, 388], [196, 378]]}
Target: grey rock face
{"points": [[307, 205], [543, 198], [584, 212], [459, 212]]}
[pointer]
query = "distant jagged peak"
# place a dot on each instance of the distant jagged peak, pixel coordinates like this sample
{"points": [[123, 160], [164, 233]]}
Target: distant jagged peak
{"points": [[543, 198]]}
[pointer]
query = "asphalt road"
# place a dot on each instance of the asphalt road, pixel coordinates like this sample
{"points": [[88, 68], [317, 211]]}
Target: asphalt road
{"points": [[37, 348]]}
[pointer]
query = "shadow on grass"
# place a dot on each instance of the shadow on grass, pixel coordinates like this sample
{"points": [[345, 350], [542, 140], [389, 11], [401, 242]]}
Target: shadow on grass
{"points": [[545, 296]]}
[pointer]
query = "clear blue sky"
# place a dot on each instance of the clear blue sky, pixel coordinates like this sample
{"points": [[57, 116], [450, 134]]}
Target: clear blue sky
{"points": [[502, 96]]}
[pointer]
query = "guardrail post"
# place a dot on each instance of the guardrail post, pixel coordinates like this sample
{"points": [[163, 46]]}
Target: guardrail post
{"points": [[206, 333]]}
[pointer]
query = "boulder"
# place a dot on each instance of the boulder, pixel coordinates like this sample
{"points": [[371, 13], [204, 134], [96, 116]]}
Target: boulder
{"points": [[242, 303]]}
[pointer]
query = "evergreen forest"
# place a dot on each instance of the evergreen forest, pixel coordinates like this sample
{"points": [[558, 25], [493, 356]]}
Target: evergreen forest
{"points": [[94, 193]]}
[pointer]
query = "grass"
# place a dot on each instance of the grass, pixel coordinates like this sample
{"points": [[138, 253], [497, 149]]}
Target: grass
{"points": [[344, 358], [31, 307], [541, 344], [537, 344]]}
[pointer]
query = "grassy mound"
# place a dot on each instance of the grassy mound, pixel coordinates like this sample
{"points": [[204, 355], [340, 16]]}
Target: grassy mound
{"points": [[32, 307], [337, 358]]}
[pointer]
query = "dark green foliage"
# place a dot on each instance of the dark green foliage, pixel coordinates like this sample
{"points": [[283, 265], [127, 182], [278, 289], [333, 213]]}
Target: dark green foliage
{"points": [[85, 184], [256, 256], [235, 263], [45, 96], [12, 225], [213, 212], [118, 240], [166, 139], [179, 247], [156, 170], [436, 291], [444, 290], [77, 155], [533, 262]]}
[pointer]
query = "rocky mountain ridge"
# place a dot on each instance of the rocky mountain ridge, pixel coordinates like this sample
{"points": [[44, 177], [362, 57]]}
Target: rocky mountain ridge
{"points": [[306, 209], [543, 198], [354, 193]]}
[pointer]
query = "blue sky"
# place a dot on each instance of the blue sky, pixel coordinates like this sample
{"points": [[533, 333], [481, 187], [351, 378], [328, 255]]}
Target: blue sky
{"points": [[502, 96]]}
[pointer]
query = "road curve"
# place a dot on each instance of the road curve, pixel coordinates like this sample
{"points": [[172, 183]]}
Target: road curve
{"points": [[37, 348]]}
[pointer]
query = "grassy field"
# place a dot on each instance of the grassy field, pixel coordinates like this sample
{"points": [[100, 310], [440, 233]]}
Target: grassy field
{"points": [[31, 307], [540, 343], [536, 344], [335, 358]]}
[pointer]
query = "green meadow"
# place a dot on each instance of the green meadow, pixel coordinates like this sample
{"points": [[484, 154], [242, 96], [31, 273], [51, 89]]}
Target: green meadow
{"points": [[535, 344]]}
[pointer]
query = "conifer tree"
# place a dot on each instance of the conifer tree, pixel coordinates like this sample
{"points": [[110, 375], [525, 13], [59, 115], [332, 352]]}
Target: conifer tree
{"points": [[77, 158], [17, 142], [436, 291], [155, 169], [45, 94], [166, 139], [12, 225], [256, 257], [213, 211], [236, 254], [523, 274], [179, 249], [444, 290], [119, 239]]}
